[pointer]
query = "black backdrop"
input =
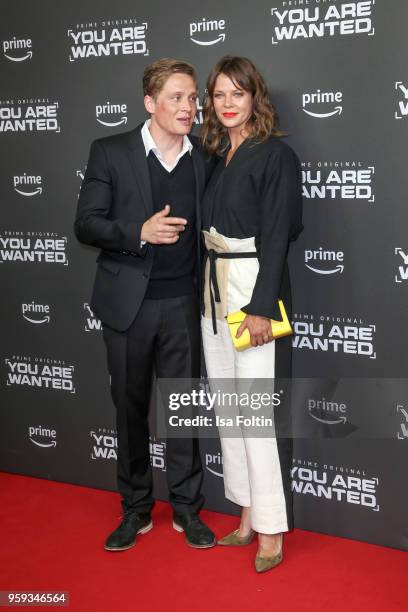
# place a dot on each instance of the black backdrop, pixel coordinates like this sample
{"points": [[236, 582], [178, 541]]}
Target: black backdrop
{"points": [[71, 72]]}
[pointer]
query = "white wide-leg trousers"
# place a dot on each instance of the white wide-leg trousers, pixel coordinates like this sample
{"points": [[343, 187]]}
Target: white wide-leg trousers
{"points": [[252, 468]]}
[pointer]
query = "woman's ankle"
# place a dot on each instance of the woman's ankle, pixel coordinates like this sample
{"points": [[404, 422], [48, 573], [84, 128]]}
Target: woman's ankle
{"points": [[245, 527]]}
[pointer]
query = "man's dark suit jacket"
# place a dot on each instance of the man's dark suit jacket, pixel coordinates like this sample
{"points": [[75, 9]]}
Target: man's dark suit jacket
{"points": [[114, 202]]}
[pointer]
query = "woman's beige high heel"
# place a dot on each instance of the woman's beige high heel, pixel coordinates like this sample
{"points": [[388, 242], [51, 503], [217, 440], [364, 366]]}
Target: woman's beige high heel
{"points": [[233, 539]]}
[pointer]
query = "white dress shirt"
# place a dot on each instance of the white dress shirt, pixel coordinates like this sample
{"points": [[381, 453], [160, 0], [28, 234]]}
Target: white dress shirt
{"points": [[150, 145]]}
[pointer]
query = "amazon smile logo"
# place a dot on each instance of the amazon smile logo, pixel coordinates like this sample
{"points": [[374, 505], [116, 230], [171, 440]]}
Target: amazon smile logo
{"points": [[324, 262], [111, 115], [42, 436], [28, 186], [324, 411], [330, 100], [17, 50], [207, 32], [213, 463], [36, 313]]}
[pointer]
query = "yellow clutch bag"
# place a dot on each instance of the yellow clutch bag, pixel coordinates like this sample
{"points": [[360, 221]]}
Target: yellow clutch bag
{"points": [[279, 328]]}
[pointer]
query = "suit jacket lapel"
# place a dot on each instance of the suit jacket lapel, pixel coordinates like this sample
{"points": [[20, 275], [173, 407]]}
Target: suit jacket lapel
{"points": [[199, 174], [137, 156], [199, 169]]}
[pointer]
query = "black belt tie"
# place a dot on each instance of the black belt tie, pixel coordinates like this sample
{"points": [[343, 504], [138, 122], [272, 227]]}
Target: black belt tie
{"points": [[213, 283]]}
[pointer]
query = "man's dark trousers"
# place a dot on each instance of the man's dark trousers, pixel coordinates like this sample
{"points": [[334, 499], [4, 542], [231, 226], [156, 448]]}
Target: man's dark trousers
{"points": [[165, 335]]}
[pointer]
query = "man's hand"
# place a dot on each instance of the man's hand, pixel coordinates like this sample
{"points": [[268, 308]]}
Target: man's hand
{"points": [[161, 229], [259, 329]]}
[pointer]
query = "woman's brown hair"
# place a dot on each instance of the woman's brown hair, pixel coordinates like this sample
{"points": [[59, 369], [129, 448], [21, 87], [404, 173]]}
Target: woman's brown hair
{"points": [[264, 120]]}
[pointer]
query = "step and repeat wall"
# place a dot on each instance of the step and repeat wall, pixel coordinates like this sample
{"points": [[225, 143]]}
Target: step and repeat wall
{"points": [[71, 72]]}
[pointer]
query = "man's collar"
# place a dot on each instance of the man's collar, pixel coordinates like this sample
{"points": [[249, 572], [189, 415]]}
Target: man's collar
{"points": [[150, 145]]}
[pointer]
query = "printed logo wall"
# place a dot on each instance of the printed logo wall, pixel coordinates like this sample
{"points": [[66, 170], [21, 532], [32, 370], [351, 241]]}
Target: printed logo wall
{"points": [[349, 267]]}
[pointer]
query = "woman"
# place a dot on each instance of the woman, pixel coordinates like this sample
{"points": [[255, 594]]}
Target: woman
{"points": [[251, 211]]}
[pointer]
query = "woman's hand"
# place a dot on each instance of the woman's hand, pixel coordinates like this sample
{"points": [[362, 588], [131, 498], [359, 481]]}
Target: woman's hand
{"points": [[259, 329]]}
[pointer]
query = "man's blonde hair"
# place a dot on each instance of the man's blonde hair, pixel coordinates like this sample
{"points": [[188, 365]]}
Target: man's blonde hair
{"points": [[156, 75]]}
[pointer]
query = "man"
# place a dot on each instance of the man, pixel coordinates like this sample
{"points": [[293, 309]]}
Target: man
{"points": [[139, 203]]}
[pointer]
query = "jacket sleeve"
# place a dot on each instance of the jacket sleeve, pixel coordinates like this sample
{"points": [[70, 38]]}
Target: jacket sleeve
{"points": [[93, 224], [281, 222]]}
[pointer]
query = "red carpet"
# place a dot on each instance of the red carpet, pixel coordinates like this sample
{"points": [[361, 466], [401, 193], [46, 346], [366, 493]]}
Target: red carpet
{"points": [[52, 539]]}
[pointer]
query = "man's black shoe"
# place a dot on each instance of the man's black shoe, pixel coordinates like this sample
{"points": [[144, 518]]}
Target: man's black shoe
{"points": [[124, 536], [198, 535]]}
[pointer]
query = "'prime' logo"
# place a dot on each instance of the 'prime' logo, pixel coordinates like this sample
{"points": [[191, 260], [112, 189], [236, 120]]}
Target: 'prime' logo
{"points": [[326, 98], [327, 412], [113, 114], [32, 185], [17, 50], [32, 311], [46, 436], [198, 28], [213, 463], [324, 256]]}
